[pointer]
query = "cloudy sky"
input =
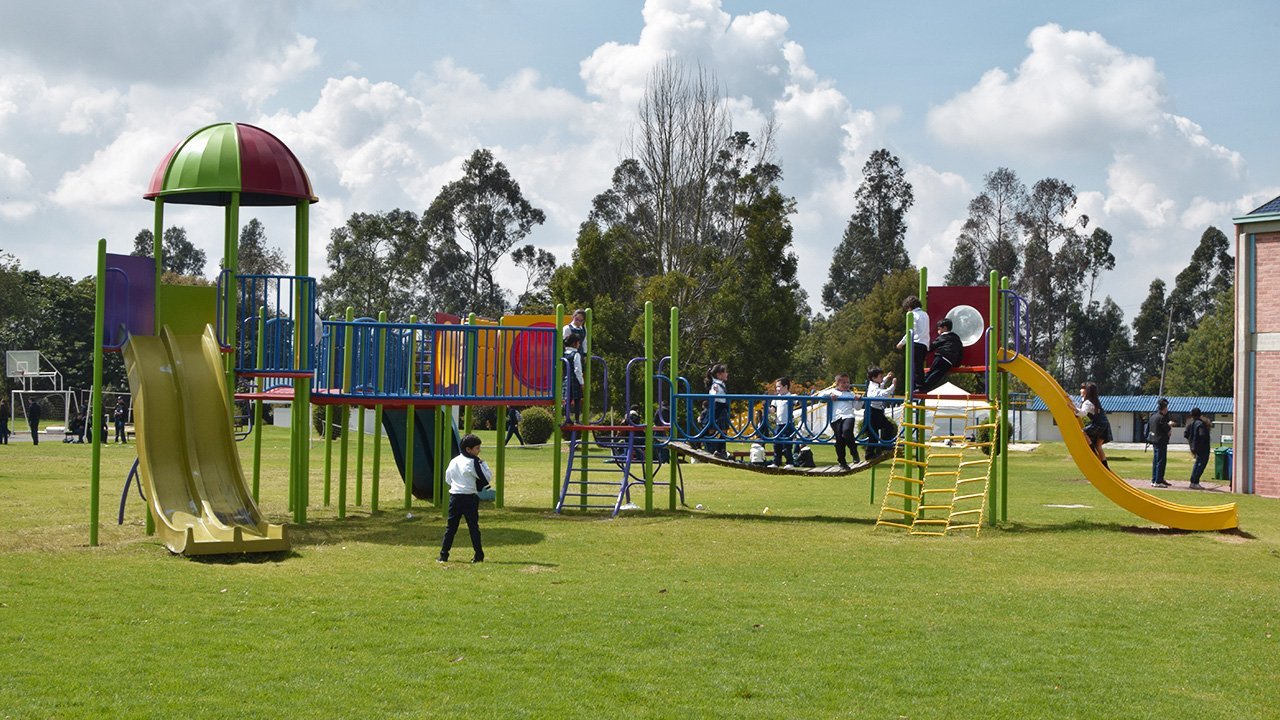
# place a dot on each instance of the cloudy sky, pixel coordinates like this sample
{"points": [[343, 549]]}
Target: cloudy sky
{"points": [[1162, 119]]}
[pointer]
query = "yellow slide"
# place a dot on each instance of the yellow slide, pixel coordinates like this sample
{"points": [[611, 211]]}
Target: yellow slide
{"points": [[1174, 515], [187, 457]]}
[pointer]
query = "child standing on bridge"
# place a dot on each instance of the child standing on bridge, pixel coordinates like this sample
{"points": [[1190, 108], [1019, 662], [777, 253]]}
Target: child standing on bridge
{"points": [[879, 428], [783, 426], [844, 423], [717, 379]]}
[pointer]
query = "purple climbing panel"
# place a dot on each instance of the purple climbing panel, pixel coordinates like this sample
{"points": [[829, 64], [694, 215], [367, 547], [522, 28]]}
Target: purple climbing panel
{"points": [[131, 299]]}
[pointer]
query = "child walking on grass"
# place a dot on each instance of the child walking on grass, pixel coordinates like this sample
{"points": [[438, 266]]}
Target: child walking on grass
{"points": [[467, 475]]}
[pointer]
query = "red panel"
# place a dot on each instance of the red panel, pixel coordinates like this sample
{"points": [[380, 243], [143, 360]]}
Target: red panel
{"points": [[268, 167], [157, 177], [941, 301]]}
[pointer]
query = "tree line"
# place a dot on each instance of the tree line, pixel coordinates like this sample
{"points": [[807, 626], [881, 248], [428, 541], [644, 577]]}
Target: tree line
{"points": [[694, 217]]}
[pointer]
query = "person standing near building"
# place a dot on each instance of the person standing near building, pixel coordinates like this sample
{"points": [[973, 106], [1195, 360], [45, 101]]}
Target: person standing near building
{"points": [[1158, 435], [33, 420], [1197, 435], [4, 422]]}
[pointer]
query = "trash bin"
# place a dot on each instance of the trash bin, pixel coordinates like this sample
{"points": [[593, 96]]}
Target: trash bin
{"points": [[1220, 471], [1230, 459]]}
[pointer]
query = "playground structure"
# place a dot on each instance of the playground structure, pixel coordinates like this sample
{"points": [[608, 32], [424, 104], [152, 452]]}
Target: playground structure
{"points": [[185, 349], [931, 489]]}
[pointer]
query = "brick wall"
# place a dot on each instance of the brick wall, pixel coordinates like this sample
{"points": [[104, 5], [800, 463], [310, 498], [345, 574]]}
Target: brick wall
{"points": [[1267, 439], [1268, 264]]}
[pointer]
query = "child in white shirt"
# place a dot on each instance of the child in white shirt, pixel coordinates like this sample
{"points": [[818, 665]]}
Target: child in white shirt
{"points": [[844, 422], [879, 384], [466, 475]]}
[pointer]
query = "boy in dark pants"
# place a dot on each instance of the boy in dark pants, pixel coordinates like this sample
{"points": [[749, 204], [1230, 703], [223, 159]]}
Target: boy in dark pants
{"points": [[467, 475]]}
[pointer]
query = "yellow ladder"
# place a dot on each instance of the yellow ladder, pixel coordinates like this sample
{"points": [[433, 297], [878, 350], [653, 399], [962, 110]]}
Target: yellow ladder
{"points": [[969, 503], [941, 474], [902, 492]]}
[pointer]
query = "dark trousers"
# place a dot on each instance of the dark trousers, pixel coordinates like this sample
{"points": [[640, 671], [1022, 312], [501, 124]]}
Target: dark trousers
{"points": [[917, 364], [513, 430], [35, 432], [4, 434], [719, 426], [784, 450], [463, 506], [1159, 458], [1202, 461], [573, 402], [881, 430], [845, 430], [120, 431], [937, 374]]}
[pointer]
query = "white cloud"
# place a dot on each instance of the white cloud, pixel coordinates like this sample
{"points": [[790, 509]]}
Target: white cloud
{"points": [[268, 73]]}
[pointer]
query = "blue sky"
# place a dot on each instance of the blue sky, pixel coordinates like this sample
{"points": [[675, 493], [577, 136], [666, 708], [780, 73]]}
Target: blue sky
{"points": [[1160, 114]]}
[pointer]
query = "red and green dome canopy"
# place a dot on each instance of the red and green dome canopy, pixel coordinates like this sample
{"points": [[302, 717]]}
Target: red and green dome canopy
{"points": [[217, 160]]}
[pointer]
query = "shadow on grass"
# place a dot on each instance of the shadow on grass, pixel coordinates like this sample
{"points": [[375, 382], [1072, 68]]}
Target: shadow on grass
{"points": [[1017, 528], [245, 558], [421, 529], [826, 519]]}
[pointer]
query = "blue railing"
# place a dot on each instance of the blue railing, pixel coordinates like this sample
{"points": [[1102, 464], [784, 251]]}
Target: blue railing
{"points": [[756, 427], [289, 305], [1017, 323], [423, 362]]}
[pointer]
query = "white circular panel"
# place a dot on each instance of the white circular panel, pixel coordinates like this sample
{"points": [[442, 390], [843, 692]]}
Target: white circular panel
{"points": [[966, 322]]}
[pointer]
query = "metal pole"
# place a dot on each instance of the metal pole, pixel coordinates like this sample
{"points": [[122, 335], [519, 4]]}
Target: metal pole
{"points": [[993, 384], [557, 405], [500, 422], [304, 343], [377, 412], [99, 335], [673, 374], [1004, 439], [1164, 361], [410, 415], [260, 359], [345, 441], [648, 406]]}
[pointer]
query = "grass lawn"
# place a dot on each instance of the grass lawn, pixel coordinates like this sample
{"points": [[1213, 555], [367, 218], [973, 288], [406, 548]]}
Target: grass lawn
{"points": [[803, 611]]}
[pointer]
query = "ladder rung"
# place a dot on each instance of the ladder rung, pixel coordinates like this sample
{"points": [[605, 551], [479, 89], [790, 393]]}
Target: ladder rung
{"points": [[914, 463], [962, 481], [913, 481], [938, 490], [933, 456], [982, 425], [934, 507], [922, 532], [967, 526], [904, 496], [917, 426], [912, 443], [958, 513], [900, 511], [950, 416], [978, 444], [946, 437], [970, 496], [893, 524], [935, 473], [967, 463]]}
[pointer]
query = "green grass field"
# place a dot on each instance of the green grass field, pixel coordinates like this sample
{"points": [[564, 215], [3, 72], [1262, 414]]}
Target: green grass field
{"points": [[803, 612]]}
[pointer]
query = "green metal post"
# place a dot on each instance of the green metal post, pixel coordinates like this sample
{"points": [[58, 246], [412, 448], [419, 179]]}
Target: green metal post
{"points": [[259, 361], [472, 369], [444, 425], [908, 415], [360, 456], [557, 404], [673, 468], [499, 423], [410, 414], [231, 264], [304, 343], [345, 441], [99, 336], [157, 252], [648, 406], [1004, 439], [993, 386], [377, 414], [583, 447]]}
